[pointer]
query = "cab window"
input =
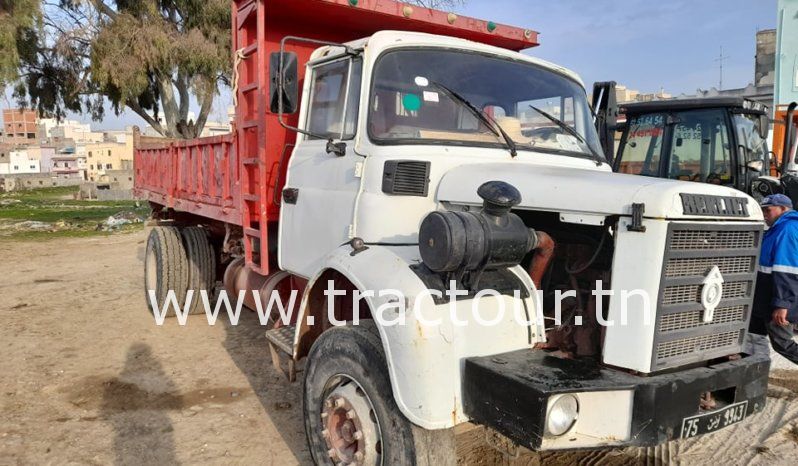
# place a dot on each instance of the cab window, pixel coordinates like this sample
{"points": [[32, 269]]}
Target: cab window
{"points": [[334, 98], [641, 151], [700, 148]]}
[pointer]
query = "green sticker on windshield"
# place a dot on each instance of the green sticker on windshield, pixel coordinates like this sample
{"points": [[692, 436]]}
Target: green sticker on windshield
{"points": [[411, 102]]}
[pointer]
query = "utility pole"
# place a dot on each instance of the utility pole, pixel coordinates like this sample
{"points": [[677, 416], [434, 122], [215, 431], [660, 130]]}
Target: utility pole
{"points": [[721, 59]]}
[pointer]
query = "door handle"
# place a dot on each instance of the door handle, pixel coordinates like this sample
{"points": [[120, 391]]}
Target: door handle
{"points": [[290, 195]]}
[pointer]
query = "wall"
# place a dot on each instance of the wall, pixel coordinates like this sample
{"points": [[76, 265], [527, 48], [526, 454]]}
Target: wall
{"points": [[33, 181]]}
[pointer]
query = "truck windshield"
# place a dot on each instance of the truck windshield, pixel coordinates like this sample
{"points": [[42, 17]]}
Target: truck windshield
{"points": [[696, 147], [408, 105]]}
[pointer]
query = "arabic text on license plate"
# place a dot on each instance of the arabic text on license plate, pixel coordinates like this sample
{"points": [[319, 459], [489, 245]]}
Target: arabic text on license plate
{"points": [[704, 423]]}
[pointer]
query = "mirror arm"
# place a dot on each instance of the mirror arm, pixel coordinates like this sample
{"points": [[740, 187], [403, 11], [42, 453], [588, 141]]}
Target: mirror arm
{"points": [[281, 77]]}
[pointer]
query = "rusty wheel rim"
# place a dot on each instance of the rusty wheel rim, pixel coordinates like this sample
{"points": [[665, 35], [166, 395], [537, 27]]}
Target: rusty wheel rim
{"points": [[349, 425]]}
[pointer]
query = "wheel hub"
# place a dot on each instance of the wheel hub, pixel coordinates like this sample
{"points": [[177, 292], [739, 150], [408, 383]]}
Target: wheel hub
{"points": [[349, 426]]}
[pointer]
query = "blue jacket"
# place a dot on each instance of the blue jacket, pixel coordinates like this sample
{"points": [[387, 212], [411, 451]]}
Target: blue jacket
{"points": [[777, 280]]}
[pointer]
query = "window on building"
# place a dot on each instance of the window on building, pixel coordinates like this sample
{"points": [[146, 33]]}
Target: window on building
{"points": [[109, 153], [31, 135], [91, 167], [108, 166], [89, 153], [33, 167], [16, 167]]}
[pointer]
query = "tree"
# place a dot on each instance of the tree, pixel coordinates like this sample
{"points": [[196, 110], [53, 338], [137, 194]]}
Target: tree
{"points": [[149, 56], [17, 19]]}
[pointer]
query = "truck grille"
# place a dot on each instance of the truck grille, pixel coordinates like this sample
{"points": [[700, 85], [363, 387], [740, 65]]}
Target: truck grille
{"points": [[692, 250]]}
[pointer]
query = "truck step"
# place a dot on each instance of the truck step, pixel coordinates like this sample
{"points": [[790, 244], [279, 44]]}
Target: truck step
{"points": [[281, 344]]}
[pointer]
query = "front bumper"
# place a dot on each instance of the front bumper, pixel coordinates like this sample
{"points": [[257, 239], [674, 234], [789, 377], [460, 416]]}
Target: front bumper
{"points": [[509, 393]]}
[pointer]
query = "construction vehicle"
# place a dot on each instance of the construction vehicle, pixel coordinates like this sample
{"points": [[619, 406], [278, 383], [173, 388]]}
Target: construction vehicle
{"points": [[403, 153], [784, 169], [719, 140]]}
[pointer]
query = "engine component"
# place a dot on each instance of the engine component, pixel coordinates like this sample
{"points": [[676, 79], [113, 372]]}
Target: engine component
{"points": [[544, 253], [461, 242]]}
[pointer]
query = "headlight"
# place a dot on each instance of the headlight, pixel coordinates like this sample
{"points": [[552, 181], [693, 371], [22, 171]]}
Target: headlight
{"points": [[562, 413]]}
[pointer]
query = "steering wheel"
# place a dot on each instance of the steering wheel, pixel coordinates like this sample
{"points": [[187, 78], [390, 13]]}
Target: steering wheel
{"points": [[714, 178], [547, 132]]}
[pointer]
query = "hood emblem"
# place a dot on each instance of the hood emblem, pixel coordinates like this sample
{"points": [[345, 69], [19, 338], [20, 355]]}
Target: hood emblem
{"points": [[711, 293]]}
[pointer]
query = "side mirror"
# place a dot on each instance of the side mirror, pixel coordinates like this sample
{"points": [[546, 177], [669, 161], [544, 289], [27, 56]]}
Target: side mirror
{"points": [[764, 126], [756, 165], [283, 81]]}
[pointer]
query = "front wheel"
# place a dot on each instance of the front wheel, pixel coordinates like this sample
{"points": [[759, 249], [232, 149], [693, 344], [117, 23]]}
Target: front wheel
{"points": [[350, 414]]}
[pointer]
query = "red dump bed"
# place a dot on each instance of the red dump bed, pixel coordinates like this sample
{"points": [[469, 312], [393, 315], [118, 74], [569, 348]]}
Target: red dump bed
{"points": [[238, 179], [198, 176]]}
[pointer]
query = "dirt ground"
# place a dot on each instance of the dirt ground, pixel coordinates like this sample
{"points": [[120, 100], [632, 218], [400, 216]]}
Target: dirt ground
{"points": [[86, 377]]}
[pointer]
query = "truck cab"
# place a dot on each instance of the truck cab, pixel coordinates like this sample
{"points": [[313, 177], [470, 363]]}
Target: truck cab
{"points": [[720, 141]]}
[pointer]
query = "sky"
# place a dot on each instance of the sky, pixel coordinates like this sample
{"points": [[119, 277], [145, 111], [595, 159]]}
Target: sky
{"points": [[646, 45]]}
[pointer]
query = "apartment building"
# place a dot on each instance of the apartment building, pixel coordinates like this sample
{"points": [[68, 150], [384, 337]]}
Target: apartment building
{"points": [[19, 126], [104, 156]]}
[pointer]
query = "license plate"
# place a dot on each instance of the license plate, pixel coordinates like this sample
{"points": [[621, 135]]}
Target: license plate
{"points": [[710, 422]]}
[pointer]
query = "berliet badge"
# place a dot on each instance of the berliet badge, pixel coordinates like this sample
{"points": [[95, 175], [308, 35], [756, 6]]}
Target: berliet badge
{"points": [[711, 293]]}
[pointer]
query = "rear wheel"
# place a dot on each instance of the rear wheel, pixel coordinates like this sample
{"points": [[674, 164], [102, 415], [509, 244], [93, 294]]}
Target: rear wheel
{"points": [[165, 267], [201, 266]]}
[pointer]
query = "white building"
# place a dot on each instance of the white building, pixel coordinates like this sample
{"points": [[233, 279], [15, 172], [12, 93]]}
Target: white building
{"points": [[19, 162], [68, 129]]}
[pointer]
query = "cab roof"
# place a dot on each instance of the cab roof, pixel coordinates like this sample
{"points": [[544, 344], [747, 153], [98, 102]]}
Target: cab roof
{"points": [[671, 105]]}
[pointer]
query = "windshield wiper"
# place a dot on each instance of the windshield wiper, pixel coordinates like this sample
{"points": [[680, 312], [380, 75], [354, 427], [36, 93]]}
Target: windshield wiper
{"points": [[492, 124], [596, 157]]}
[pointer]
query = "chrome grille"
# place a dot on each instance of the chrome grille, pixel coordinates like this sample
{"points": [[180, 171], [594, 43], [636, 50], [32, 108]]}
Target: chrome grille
{"points": [[700, 266], [693, 319], [680, 294], [691, 240], [681, 347], [692, 250]]}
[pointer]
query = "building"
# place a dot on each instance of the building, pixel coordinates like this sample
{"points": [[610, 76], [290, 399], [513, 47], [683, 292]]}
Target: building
{"points": [[103, 156], [66, 165], [76, 131], [19, 162], [624, 94], [19, 126], [786, 67]]}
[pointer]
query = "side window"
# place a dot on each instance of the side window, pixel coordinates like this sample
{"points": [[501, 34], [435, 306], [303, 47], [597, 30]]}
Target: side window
{"points": [[334, 99], [752, 146], [700, 148], [641, 153]]}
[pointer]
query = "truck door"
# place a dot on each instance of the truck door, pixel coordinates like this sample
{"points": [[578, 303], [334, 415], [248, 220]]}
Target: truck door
{"points": [[752, 149], [321, 187]]}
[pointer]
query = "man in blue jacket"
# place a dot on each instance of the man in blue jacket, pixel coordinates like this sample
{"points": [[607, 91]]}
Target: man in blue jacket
{"points": [[776, 297]]}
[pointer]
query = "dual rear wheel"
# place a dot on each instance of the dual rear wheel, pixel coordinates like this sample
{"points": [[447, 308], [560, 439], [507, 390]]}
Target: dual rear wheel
{"points": [[178, 260]]}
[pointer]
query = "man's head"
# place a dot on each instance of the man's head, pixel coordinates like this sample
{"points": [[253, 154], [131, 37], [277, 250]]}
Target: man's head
{"points": [[774, 206]]}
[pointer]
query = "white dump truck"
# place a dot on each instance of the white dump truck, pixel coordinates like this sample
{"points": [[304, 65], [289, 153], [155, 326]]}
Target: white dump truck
{"points": [[457, 185]]}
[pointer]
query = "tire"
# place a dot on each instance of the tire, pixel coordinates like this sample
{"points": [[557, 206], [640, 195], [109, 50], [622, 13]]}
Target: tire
{"points": [[165, 267], [201, 266], [348, 363]]}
